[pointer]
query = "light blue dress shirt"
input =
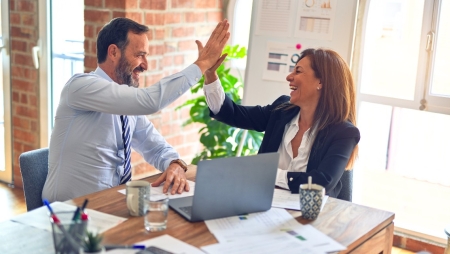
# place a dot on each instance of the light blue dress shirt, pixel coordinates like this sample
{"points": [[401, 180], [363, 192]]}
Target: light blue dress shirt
{"points": [[86, 147]]}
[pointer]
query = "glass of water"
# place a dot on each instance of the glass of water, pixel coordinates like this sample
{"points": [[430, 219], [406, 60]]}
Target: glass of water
{"points": [[155, 219]]}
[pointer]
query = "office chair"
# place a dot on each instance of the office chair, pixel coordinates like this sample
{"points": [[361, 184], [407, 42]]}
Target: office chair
{"points": [[34, 169], [347, 186]]}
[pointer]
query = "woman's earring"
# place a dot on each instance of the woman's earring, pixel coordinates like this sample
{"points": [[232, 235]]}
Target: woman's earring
{"points": [[318, 88]]}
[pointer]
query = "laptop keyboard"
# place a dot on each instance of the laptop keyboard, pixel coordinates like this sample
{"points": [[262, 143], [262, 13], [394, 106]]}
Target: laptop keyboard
{"points": [[186, 209]]}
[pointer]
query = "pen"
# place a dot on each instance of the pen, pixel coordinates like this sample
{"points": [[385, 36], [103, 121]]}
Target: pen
{"points": [[75, 214], [134, 246], [84, 204], [45, 201]]}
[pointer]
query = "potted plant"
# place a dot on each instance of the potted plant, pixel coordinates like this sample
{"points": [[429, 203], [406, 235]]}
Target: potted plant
{"points": [[92, 243], [219, 139]]}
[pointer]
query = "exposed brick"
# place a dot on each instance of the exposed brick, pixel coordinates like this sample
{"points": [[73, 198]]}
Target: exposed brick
{"points": [[154, 5], [178, 60], [203, 4], [167, 61], [187, 45], [28, 19], [172, 18], [156, 50], [20, 122], [23, 59], [115, 4], [24, 86], [19, 45], [182, 4], [14, 18], [87, 48], [183, 31], [160, 34], [136, 16], [24, 99], [154, 19], [214, 16], [192, 17], [32, 99], [15, 96], [416, 246], [26, 5], [88, 31], [22, 32], [152, 64], [170, 46], [90, 62], [34, 126], [118, 14], [93, 3], [97, 16], [25, 111], [12, 5], [175, 141], [24, 136], [94, 48]]}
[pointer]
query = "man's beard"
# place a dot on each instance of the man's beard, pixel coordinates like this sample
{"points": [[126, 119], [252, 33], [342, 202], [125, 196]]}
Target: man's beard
{"points": [[124, 74]]}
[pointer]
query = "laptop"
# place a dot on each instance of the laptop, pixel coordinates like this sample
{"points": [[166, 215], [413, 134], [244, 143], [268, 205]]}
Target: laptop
{"points": [[230, 186]]}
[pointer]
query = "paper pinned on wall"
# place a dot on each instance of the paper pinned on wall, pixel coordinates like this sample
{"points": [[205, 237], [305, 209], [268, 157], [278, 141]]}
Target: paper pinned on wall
{"points": [[315, 19], [273, 18]]}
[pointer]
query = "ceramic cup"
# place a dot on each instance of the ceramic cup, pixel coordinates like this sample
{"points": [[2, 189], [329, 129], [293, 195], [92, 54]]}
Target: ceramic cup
{"points": [[136, 192], [311, 200]]}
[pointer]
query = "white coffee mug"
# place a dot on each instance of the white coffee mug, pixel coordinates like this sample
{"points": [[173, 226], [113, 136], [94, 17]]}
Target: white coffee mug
{"points": [[136, 192]]}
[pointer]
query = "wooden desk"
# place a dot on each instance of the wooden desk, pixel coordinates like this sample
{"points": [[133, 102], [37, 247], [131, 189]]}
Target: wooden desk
{"points": [[362, 229]]}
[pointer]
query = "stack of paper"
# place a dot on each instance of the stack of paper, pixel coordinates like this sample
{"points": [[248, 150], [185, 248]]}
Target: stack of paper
{"points": [[267, 232]]}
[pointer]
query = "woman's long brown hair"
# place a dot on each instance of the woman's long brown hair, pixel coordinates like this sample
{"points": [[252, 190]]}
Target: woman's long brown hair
{"points": [[338, 100]]}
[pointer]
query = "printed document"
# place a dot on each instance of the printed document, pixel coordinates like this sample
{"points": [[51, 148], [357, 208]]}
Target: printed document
{"points": [[39, 218]]}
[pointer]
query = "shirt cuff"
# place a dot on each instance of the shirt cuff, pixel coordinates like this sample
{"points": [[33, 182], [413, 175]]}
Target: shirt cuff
{"points": [[215, 96], [281, 180], [193, 74]]}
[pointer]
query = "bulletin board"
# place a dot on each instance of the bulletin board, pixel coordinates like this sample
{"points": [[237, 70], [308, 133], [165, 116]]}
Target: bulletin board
{"points": [[281, 29]]}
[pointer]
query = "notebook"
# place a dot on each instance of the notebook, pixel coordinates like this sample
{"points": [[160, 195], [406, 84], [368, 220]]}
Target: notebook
{"points": [[230, 186]]}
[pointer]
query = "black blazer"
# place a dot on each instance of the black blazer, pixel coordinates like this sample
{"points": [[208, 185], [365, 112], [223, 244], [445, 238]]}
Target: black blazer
{"points": [[330, 151]]}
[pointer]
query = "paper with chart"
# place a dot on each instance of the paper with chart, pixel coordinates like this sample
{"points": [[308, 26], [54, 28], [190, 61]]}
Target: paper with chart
{"points": [[315, 19], [262, 244], [39, 218], [235, 227], [273, 18], [271, 222], [159, 190], [280, 60]]}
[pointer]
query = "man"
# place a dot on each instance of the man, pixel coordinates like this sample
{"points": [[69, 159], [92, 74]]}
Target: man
{"points": [[98, 118]]}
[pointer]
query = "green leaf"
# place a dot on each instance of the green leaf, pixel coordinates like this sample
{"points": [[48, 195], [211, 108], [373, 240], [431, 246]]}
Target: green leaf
{"points": [[218, 139]]}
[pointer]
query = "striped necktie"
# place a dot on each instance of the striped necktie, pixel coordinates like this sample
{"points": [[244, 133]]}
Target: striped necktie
{"points": [[127, 150]]}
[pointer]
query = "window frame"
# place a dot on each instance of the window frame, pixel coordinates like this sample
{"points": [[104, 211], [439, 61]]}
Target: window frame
{"points": [[437, 104]]}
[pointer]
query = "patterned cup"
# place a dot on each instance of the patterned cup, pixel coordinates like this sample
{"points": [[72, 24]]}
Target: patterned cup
{"points": [[311, 200], [136, 193]]}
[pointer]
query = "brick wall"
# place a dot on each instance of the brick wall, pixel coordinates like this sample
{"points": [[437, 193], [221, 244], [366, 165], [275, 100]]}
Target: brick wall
{"points": [[24, 80], [174, 27]]}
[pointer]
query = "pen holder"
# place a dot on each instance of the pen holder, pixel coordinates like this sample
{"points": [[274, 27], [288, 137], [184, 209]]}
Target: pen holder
{"points": [[68, 235]]}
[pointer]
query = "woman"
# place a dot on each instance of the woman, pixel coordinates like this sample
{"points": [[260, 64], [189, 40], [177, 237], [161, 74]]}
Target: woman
{"points": [[313, 129]]}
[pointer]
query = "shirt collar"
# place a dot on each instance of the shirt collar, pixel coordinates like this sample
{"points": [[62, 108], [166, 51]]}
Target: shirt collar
{"points": [[102, 74], [294, 120]]}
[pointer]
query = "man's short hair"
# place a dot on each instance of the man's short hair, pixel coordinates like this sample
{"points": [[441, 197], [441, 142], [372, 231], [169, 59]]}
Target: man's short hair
{"points": [[116, 32]]}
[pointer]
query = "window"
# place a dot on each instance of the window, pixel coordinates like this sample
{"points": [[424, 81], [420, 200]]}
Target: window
{"points": [[404, 112]]}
